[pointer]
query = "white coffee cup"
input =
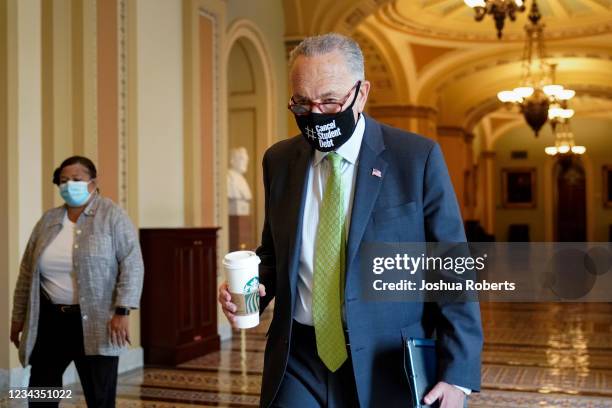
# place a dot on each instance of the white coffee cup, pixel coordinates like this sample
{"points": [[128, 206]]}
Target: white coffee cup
{"points": [[242, 271]]}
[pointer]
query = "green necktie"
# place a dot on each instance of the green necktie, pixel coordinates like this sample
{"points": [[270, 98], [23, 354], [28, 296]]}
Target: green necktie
{"points": [[328, 268]]}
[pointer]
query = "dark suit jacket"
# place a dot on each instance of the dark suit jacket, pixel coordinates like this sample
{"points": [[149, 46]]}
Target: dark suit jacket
{"points": [[413, 201]]}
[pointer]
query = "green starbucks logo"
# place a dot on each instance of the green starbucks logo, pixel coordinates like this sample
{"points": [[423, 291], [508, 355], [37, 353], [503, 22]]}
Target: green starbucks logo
{"points": [[251, 295]]}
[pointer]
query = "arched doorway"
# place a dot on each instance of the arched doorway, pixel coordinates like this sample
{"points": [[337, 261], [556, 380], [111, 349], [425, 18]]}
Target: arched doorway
{"points": [[570, 199], [250, 105]]}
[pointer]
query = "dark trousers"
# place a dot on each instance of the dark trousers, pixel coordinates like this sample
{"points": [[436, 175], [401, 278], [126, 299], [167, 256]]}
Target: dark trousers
{"points": [[308, 383], [59, 342]]}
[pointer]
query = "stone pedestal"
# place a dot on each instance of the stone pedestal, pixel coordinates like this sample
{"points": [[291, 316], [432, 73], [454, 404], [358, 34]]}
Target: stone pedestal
{"points": [[240, 232]]}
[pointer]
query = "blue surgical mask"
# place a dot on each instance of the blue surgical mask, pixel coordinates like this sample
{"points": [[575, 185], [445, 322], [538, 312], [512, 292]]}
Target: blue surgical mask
{"points": [[75, 193]]}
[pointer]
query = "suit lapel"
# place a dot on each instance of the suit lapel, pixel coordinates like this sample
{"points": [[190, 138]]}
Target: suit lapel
{"points": [[367, 186], [295, 200]]}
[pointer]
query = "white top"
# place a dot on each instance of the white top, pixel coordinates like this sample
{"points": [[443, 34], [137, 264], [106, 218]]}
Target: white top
{"points": [[317, 179], [57, 275]]}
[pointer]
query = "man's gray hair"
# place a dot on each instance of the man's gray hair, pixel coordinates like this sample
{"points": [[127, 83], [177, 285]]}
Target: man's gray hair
{"points": [[326, 43]]}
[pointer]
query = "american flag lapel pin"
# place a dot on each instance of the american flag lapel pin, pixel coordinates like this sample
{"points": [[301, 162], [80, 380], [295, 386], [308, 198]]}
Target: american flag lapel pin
{"points": [[377, 173]]}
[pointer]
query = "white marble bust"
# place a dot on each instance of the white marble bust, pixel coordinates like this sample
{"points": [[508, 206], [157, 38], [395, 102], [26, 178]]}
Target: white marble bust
{"points": [[238, 190]]}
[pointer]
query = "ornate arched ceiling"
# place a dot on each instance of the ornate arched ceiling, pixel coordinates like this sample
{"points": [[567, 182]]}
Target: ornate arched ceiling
{"points": [[499, 122], [460, 95], [378, 71], [453, 20], [304, 18], [446, 60], [443, 19], [490, 121]]}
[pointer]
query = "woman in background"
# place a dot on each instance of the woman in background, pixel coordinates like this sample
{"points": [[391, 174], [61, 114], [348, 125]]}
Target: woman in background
{"points": [[80, 275]]}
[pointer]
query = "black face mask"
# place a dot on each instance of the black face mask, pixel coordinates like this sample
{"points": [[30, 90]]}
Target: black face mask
{"points": [[327, 132]]}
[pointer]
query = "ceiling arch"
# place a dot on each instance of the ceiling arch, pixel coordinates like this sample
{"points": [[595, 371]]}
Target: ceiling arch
{"points": [[453, 20], [496, 121], [322, 16], [504, 129], [453, 87], [447, 61], [477, 61], [490, 122], [391, 81]]}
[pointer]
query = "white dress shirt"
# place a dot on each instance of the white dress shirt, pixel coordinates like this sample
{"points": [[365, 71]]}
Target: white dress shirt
{"points": [[317, 179], [58, 279]]}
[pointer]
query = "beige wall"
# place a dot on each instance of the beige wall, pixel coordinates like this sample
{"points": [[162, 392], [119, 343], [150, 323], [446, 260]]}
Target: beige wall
{"points": [[29, 119], [20, 151], [5, 177], [591, 132], [29, 123], [160, 113]]}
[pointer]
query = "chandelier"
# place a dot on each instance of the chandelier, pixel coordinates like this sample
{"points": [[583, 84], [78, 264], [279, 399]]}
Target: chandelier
{"points": [[538, 97], [559, 116], [499, 9], [564, 141]]}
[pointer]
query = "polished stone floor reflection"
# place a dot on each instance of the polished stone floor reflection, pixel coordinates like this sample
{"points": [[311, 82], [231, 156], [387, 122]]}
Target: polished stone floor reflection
{"points": [[535, 355]]}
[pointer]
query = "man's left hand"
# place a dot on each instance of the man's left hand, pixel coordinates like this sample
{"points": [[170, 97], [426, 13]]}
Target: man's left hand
{"points": [[119, 330], [447, 395]]}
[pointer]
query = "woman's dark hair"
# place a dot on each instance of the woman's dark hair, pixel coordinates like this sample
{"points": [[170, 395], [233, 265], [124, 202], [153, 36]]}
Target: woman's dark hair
{"points": [[83, 161]]}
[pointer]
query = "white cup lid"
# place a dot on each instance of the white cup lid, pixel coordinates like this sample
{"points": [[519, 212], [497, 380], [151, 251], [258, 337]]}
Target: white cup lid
{"points": [[241, 259]]}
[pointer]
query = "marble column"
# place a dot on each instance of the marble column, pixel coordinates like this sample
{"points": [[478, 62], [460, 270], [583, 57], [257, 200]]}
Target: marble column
{"points": [[486, 191], [456, 145]]}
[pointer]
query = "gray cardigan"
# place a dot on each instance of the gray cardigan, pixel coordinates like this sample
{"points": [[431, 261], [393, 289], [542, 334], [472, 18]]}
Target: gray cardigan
{"points": [[109, 270]]}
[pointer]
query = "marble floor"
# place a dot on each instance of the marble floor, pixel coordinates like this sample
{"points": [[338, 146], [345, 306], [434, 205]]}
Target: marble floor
{"points": [[535, 355]]}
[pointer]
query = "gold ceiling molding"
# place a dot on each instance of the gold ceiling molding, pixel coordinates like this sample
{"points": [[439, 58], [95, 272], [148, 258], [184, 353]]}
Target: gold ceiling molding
{"points": [[497, 122], [304, 19], [455, 23], [506, 59], [596, 91], [378, 68], [390, 17], [374, 59], [477, 112], [425, 54], [360, 12]]}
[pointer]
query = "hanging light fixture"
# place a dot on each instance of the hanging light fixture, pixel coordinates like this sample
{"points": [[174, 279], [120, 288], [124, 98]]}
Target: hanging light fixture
{"points": [[558, 110], [559, 116], [499, 9], [564, 141], [538, 91]]}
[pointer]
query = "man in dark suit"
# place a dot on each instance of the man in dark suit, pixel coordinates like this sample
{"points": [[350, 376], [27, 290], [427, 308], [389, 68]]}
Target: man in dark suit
{"points": [[346, 181]]}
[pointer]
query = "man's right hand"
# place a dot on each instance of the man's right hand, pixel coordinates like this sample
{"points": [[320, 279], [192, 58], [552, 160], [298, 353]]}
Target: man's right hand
{"points": [[225, 300], [16, 329]]}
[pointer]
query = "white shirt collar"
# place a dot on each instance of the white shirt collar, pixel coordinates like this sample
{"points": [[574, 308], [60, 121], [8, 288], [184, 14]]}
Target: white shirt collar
{"points": [[350, 149]]}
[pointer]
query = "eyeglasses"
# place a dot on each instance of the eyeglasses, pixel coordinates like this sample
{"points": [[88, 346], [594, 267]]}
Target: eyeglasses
{"points": [[328, 106]]}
